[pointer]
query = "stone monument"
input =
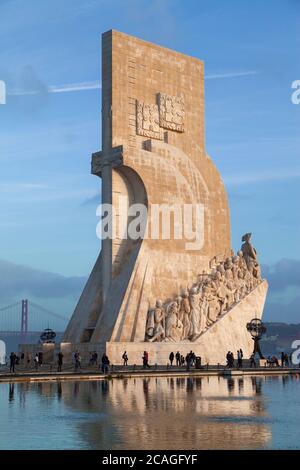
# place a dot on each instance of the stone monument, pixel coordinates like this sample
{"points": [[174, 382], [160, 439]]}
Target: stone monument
{"points": [[177, 289]]}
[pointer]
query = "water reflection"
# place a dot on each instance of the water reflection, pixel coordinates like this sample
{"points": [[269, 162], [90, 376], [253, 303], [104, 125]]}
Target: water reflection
{"points": [[173, 412], [156, 413]]}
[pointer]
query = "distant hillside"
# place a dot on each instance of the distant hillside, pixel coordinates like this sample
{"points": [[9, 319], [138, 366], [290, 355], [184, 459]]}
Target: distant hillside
{"points": [[279, 337]]}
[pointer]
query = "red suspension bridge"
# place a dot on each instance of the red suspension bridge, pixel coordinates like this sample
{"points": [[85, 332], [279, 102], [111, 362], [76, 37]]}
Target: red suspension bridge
{"points": [[25, 318]]}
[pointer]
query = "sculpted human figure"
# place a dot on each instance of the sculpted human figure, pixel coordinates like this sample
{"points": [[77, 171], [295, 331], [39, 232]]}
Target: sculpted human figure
{"points": [[195, 313], [155, 330], [180, 310], [249, 252], [174, 326], [230, 294], [236, 280], [212, 298], [150, 324], [220, 289], [186, 309], [203, 309]]}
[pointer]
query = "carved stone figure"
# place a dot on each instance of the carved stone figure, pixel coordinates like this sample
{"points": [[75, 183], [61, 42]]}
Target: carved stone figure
{"points": [[186, 309], [174, 326], [171, 112], [203, 310], [147, 120], [195, 313], [155, 330], [249, 252]]}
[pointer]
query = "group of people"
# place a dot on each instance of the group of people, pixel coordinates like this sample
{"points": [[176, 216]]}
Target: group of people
{"points": [[196, 309], [230, 359], [15, 360], [272, 361], [188, 360]]}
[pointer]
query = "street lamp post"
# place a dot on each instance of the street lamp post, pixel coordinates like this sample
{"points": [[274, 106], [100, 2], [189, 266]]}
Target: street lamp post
{"points": [[256, 328]]}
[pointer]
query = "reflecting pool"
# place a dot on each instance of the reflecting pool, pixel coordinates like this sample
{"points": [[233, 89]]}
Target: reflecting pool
{"points": [[152, 413]]}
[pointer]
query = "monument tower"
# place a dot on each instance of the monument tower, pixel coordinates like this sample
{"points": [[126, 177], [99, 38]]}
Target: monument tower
{"points": [[155, 292]]}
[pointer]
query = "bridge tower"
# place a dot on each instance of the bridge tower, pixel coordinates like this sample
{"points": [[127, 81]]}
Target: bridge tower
{"points": [[24, 321]]}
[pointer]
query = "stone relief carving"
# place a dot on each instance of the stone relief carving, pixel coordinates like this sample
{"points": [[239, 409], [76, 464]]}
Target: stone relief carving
{"points": [[171, 112], [189, 315], [168, 114], [147, 120]]}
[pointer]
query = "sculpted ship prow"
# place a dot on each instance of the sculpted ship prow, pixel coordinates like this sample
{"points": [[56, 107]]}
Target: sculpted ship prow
{"points": [[153, 155], [187, 317]]}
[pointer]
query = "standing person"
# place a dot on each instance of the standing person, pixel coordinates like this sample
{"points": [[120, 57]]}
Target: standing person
{"points": [[125, 359], [188, 361], [238, 358], [105, 364], [41, 356], [282, 359], [171, 358], [36, 361], [178, 359], [145, 360], [228, 359], [286, 360], [59, 361], [12, 360], [28, 359], [77, 361], [252, 361], [242, 355]]}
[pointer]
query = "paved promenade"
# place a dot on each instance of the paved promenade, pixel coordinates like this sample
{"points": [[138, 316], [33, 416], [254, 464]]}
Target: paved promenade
{"points": [[49, 372]]}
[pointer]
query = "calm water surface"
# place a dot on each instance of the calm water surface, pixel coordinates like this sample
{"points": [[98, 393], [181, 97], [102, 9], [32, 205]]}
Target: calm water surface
{"points": [[152, 413]]}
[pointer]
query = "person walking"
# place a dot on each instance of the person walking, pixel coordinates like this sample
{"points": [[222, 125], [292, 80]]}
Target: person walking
{"points": [[59, 361], [171, 358], [178, 359], [145, 359], [12, 362], [125, 359]]}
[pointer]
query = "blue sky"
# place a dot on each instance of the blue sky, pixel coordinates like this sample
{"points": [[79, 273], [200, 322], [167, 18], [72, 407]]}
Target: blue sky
{"points": [[50, 59]]}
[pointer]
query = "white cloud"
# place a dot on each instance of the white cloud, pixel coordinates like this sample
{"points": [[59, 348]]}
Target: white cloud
{"points": [[75, 87], [231, 74], [67, 88]]}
